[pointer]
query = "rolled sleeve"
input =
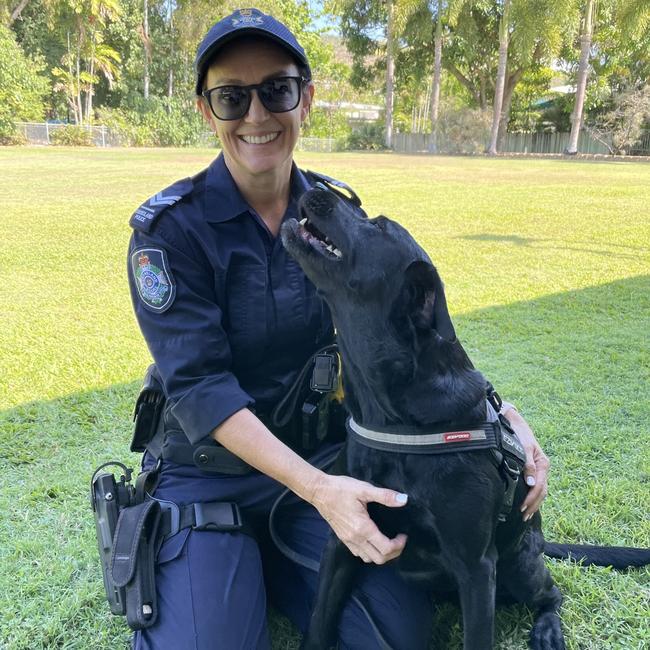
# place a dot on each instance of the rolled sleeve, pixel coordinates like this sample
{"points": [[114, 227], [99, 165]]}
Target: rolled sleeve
{"points": [[208, 403], [187, 340]]}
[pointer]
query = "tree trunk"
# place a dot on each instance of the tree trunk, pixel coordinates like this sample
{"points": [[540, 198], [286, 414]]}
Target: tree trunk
{"points": [[437, 74], [508, 92], [463, 80], [15, 14], [79, 110], [145, 38], [91, 85], [170, 77], [583, 71], [501, 76], [390, 75]]}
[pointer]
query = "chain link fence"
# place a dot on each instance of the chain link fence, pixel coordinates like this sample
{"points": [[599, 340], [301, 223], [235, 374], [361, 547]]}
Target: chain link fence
{"points": [[523, 143], [41, 133]]}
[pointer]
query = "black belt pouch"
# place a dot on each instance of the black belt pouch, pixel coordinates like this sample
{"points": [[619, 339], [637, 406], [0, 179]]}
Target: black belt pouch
{"points": [[132, 561]]}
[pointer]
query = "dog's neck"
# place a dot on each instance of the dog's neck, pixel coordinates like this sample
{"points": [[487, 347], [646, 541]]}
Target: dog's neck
{"points": [[387, 383]]}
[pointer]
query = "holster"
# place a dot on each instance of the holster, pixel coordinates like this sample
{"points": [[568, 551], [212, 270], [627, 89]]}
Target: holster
{"points": [[133, 559], [148, 410]]}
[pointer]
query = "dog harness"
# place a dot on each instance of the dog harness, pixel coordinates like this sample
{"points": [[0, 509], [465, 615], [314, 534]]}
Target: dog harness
{"points": [[495, 435]]}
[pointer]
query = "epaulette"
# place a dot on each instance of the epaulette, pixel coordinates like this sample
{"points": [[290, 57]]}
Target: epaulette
{"points": [[146, 215], [335, 186]]}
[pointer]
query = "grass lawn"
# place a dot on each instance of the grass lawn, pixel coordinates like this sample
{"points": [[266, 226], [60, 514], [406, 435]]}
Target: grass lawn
{"points": [[547, 269]]}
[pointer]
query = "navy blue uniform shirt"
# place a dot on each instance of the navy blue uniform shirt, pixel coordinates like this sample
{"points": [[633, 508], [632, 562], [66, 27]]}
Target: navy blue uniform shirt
{"points": [[228, 315]]}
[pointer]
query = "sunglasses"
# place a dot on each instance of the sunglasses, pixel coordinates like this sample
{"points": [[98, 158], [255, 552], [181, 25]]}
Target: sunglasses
{"points": [[278, 95]]}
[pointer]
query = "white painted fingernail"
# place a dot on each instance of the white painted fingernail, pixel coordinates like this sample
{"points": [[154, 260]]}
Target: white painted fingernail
{"points": [[401, 498], [530, 481]]}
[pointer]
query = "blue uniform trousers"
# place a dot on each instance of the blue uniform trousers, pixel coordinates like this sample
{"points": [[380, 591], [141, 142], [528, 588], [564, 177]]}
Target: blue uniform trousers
{"points": [[213, 587]]}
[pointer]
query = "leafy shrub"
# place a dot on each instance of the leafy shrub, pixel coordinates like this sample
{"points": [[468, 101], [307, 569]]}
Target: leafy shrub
{"points": [[369, 137], [22, 88], [8, 138], [463, 130], [72, 136], [155, 122]]}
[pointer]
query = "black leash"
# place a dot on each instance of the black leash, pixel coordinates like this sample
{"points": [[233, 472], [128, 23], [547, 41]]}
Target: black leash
{"points": [[314, 565]]}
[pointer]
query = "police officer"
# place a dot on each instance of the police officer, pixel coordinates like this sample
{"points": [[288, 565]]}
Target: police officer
{"points": [[230, 321]]}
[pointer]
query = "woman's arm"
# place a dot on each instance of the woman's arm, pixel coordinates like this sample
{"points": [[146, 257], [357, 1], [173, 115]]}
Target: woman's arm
{"points": [[537, 463], [341, 500]]}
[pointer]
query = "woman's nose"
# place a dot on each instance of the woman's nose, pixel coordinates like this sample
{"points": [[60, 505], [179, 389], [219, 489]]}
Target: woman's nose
{"points": [[257, 113]]}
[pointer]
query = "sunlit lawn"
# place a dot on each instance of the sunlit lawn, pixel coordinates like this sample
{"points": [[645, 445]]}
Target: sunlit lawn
{"points": [[546, 265]]}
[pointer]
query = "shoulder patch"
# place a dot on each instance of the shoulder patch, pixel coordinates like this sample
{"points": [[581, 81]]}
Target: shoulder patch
{"points": [[145, 216], [153, 279], [335, 186]]}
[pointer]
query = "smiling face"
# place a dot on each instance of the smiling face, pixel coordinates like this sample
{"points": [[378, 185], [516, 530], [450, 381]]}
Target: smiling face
{"points": [[261, 142]]}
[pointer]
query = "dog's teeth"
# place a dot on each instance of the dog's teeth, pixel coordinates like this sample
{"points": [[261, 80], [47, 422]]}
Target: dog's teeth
{"points": [[337, 252], [303, 221], [330, 248]]}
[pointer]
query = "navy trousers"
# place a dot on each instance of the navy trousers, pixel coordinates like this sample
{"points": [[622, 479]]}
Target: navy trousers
{"points": [[213, 587]]}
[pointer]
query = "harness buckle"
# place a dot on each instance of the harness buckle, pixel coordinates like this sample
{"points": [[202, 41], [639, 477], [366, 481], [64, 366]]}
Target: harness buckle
{"points": [[217, 515]]}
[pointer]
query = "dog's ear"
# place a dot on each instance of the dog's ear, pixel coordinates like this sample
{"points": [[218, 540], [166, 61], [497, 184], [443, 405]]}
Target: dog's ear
{"points": [[425, 300]]}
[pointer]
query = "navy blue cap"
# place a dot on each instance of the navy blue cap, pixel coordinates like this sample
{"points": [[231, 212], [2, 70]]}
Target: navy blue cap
{"points": [[240, 23]]}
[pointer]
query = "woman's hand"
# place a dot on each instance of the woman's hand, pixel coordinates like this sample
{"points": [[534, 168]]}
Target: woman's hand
{"points": [[342, 501], [537, 464]]}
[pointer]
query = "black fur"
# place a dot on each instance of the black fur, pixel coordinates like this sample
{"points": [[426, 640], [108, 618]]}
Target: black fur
{"points": [[403, 364]]}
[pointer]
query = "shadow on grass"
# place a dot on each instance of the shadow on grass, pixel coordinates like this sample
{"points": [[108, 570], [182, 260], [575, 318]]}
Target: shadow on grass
{"points": [[577, 365], [549, 243]]}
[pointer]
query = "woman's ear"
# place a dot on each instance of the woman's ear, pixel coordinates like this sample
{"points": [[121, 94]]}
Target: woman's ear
{"points": [[203, 108]]}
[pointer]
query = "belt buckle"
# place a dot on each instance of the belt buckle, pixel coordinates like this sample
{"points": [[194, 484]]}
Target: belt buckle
{"points": [[217, 515]]}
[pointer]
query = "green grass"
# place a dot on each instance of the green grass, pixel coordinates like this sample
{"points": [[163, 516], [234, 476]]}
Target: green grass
{"points": [[546, 265]]}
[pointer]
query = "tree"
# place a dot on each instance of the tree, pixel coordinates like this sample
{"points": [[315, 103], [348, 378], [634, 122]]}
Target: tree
{"points": [[372, 30], [586, 34], [22, 87], [504, 34], [620, 128], [633, 16], [87, 52]]}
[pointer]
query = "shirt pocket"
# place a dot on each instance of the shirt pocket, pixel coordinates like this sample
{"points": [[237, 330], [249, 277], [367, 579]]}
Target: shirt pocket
{"points": [[247, 318]]}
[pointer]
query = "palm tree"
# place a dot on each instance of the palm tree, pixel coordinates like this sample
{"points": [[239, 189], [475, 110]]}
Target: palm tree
{"points": [[504, 33], [586, 35]]}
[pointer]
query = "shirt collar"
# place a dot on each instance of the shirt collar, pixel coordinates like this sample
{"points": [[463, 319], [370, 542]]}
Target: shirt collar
{"points": [[223, 198]]}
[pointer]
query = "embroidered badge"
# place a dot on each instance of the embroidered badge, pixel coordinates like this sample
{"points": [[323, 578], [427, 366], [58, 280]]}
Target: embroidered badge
{"points": [[153, 279], [247, 17]]}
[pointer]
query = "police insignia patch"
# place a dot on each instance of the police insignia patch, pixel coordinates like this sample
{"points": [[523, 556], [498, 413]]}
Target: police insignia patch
{"points": [[153, 278]]}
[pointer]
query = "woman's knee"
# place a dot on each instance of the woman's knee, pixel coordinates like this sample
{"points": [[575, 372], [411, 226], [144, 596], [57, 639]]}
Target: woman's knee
{"points": [[210, 592]]}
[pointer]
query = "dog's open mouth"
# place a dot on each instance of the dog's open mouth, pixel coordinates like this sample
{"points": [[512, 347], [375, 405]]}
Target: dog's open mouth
{"points": [[310, 234]]}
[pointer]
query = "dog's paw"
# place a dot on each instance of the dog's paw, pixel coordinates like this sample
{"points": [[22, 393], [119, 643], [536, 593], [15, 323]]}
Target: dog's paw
{"points": [[547, 633]]}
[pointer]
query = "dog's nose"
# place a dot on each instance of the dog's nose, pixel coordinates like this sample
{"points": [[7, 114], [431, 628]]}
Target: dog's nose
{"points": [[320, 200]]}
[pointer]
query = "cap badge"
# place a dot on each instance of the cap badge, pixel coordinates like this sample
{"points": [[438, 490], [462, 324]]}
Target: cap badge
{"points": [[247, 17]]}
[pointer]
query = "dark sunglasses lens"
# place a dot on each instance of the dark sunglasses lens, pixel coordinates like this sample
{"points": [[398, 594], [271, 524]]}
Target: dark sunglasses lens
{"points": [[230, 102], [280, 95]]}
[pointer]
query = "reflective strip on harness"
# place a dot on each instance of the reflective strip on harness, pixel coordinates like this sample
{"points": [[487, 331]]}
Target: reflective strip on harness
{"points": [[419, 439], [483, 437]]}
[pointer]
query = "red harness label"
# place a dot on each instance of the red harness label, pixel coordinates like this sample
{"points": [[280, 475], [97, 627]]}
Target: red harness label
{"points": [[457, 436]]}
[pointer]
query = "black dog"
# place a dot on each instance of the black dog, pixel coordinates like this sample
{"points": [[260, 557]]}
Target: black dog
{"points": [[406, 374]]}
